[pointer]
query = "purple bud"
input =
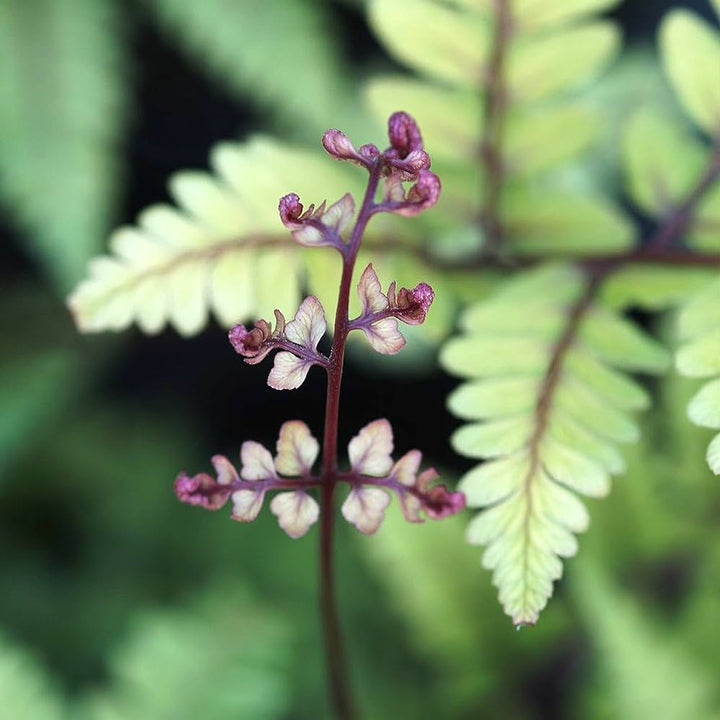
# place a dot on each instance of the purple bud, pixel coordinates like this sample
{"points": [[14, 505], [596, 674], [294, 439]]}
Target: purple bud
{"points": [[370, 152], [423, 194], [338, 145], [251, 343], [439, 503], [404, 135], [411, 306], [290, 209], [201, 490]]}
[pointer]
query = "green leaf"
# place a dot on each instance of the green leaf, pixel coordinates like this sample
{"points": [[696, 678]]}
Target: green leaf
{"points": [[691, 53], [545, 222], [699, 327], [663, 162], [224, 658], [282, 53], [544, 362], [448, 44], [652, 287], [538, 65], [540, 139], [26, 691], [25, 389], [713, 454], [62, 111], [532, 15], [644, 669]]}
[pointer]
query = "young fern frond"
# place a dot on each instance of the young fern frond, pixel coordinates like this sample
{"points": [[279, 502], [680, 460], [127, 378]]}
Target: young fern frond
{"points": [[699, 356], [550, 404]]}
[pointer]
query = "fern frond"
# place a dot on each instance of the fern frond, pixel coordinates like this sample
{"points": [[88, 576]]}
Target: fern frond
{"points": [[699, 356], [514, 57], [224, 248], [549, 407], [60, 121]]}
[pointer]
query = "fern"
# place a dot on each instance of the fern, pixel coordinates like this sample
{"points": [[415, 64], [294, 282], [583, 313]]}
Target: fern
{"points": [[699, 356], [60, 123], [551, 411]]}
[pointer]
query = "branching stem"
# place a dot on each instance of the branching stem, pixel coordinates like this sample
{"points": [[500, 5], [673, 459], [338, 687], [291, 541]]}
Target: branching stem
{"points": [[334, 649]]}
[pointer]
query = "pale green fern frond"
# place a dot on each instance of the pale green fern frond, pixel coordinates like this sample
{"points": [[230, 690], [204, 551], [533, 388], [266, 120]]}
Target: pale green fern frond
{"points": [[549, 404], [224, 248], [492, 100], [62, 111], [699, 356]]}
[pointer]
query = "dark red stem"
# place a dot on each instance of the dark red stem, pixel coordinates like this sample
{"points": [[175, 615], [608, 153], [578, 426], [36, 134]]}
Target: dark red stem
{"points": [[334, 649]]}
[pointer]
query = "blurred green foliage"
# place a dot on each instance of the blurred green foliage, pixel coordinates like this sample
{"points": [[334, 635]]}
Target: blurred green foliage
{"points": [[120, 604]]}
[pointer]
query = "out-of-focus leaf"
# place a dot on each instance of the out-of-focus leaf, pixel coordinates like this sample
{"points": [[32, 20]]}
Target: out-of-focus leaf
{"points": [[533, 15], [540, 139], [26, 691], [662, 161], [447, 43], [545, 222], [62, 110], [32, 390], [539, 66], [644, 671], [699, 328], [282, 53], [652, 287], [226, 658], [225, 248], [691, 52]]}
